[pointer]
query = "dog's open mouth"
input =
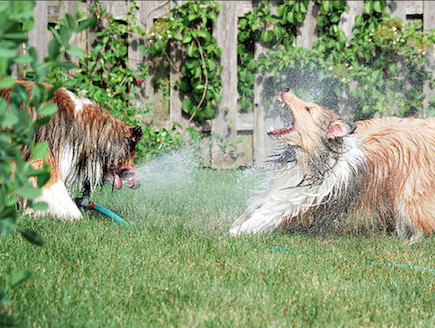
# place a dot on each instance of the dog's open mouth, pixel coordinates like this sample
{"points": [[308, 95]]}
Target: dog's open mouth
{"points": [[128, 177], [288, 117]]}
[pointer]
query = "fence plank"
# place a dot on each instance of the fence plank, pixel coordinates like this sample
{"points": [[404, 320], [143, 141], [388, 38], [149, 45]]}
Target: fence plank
{"points": [[39, 35], [347, 21], [429, 23], [225, 32], [146, 14], [307, 35], [403, 8]]}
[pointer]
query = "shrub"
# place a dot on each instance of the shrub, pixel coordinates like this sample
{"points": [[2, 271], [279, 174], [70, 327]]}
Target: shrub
{"points": [[17, 127], [382, 69]]}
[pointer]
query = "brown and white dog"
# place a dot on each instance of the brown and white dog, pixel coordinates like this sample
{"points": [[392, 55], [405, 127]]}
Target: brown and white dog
{"points": [[382, 169], [87, 146]]}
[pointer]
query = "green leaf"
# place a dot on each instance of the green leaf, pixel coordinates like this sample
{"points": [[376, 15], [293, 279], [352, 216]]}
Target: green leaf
{"points": [[368, 6], [28, 24], [213, 17], [203, 33], [40, 206], [32, 236], [8, 53], [53, 49], [28, 192], [187, 106], [7, 82], [4, 298], [64, 34], [75, 51], [86, 23], [18, 37], [10, 119], [187, 38], [157, 48], [39, 151], [48, 109], [71, 22], [23, 59], [19, 278], [377, 6], [191, 49], [267, 36]]}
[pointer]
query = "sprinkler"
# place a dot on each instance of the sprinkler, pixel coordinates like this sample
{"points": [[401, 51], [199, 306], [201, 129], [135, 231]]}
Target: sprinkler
{"points": [[87, 204]]}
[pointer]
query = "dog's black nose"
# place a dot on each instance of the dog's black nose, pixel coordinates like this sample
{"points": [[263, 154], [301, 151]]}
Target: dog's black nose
{"points": [[286, 89]]}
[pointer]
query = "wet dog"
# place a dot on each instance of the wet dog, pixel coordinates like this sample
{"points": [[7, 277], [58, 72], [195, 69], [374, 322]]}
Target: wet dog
{"points": [[382, 169], [86, 146]]}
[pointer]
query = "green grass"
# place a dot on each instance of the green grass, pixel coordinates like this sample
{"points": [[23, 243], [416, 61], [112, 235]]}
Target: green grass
{"points": [[177, 267]]}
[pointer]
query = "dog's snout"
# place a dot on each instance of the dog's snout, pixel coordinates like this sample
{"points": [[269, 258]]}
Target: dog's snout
{"points": [[284, 91], [130, 177]]}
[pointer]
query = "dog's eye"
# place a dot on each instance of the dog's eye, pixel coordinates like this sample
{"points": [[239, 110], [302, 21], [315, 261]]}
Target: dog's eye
{"points": [[308, 109]]}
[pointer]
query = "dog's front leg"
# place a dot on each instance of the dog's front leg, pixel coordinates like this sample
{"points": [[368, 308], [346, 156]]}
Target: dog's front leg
{"points": [[265, 215], [56, 195], [261, 220]]}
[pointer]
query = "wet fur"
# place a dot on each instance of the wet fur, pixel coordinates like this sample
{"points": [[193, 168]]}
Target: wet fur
{"points": [[381, 175], [87, 145]]}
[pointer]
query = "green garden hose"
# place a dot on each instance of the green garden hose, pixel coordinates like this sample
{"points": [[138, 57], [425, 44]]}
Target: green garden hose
{"points": [[87, 204], [110, 214]]}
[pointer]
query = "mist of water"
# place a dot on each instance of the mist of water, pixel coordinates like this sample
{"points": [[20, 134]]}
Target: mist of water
{"points": [[172, 169]]}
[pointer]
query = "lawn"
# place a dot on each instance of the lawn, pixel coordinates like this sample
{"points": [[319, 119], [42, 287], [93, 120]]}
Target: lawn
{"points": [[177, 267]]}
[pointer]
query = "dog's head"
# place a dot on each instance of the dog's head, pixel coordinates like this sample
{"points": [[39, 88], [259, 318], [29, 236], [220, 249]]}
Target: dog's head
{"points": [[312, 124], [125, 173]]}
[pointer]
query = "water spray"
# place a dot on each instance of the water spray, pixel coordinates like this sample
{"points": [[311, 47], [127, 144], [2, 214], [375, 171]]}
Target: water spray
{"points": [[87, 204]]}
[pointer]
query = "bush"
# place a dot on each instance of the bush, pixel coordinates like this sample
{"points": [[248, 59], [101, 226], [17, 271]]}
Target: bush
{"points": [[382, 69], [16, 125]]}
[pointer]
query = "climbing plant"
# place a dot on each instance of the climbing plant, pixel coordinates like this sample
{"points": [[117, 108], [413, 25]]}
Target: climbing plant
{"points": [[191, 25], [381, 69], [104, 75]]}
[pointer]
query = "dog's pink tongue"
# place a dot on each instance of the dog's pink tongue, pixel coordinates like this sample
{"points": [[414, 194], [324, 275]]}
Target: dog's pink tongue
{"points": [[117, 183]]}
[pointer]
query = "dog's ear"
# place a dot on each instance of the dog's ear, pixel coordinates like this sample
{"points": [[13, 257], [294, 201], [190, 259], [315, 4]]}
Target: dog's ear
{"points": [[136, 134], [340, 128]]}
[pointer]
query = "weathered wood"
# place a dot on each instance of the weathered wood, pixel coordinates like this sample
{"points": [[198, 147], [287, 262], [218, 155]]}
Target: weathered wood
{"points": [[428, 15], [40, 35], [347, 21], [175, 54], [401, 9], [429, 23], [243, 7], [158, 67], [307, 35], [225, 122], [118, 9]]}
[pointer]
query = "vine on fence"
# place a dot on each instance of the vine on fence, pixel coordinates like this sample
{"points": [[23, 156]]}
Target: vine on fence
{"points": [[191, 26], [105, 75], [381, 69]]}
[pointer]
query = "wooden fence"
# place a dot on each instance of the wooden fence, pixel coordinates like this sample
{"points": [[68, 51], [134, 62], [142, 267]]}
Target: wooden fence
{"points": [[228, 123]]}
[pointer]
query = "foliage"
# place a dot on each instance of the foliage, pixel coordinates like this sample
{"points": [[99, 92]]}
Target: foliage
{"points": [[270, 29], [380, 70], [191, 26], [104, 75], [17, 126]]}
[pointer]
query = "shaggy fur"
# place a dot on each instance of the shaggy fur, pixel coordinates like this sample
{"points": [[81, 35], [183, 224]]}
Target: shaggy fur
{"points": [[87, 145], [382, 170]]}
